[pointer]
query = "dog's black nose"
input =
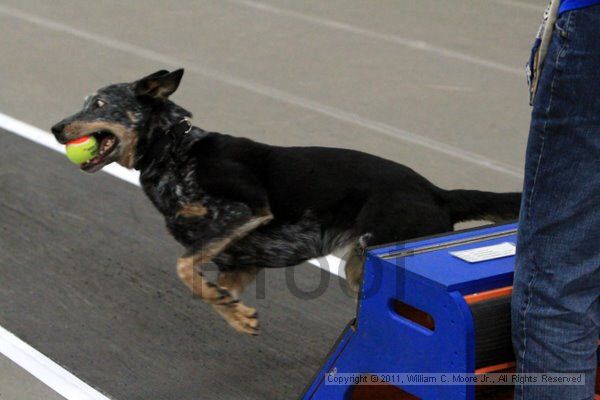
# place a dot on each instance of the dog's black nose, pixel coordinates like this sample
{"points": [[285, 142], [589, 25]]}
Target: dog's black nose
{"points": [[57, 129]]}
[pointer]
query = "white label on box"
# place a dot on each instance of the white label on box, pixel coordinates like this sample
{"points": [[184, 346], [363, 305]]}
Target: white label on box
{"points": [[486, 253]]}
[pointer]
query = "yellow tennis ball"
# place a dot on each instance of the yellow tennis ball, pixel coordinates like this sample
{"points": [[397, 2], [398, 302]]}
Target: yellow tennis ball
{"points": [[83, 149]]}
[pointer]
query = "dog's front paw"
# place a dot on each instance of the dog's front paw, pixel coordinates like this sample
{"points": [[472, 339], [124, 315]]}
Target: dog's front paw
{"points": [[242, 318]]}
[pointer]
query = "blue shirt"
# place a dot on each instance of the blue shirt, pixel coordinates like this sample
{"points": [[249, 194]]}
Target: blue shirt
{"points": [[567, 5]]}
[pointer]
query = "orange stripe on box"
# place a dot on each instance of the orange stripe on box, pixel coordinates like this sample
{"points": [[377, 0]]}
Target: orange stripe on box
{"points": [[489, 295], [495, 368]]}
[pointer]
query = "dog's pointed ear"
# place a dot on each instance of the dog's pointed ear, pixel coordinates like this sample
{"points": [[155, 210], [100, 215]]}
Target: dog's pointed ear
{"points": [[159, 85]]}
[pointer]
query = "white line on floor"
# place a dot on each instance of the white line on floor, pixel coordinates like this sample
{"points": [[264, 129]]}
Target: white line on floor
{"points": [[396, 39], [330, 263], [50, 373], [257, 88]]}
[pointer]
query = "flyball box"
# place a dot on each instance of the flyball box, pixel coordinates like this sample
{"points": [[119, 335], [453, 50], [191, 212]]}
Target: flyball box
{"points": [[435, 305]]}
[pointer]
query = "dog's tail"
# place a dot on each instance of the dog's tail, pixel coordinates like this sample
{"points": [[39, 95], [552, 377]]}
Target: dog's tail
{"points": [[469, 205]]}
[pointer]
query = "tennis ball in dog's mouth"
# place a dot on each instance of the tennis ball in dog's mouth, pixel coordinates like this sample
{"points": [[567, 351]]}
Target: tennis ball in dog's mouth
{"points": [[83, 149]]}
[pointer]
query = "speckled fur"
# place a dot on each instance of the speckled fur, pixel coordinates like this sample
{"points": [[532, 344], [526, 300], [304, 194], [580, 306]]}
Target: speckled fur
{"points": [[247, 205]]}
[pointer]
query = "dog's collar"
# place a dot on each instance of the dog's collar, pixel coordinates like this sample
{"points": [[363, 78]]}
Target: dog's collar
{"points": [[182, 127], [168, 137]]}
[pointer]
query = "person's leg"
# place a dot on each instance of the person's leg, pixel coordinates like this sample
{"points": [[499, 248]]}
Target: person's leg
{"points": [[556, 300]]}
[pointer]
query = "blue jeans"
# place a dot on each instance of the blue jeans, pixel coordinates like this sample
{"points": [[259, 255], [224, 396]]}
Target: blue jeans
{"points": [[556, 298]]}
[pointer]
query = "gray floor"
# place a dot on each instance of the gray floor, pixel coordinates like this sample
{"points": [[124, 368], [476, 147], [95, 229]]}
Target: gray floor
{"points": [[17, 384], [435, 85]]}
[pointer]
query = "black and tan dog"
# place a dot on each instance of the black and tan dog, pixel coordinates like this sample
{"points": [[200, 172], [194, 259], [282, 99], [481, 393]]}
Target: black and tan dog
{"points": [[246, 205]]}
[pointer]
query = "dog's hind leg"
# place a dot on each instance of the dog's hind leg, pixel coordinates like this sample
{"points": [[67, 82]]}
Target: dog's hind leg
{"points": [[392, 217], [355, 259]]}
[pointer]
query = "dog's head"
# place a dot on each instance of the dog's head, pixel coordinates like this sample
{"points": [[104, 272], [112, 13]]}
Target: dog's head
{"points": [[117, 115]]}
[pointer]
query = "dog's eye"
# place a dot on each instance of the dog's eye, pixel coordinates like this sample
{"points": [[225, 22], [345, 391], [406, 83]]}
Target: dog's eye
{"points": [[99, 103]]}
